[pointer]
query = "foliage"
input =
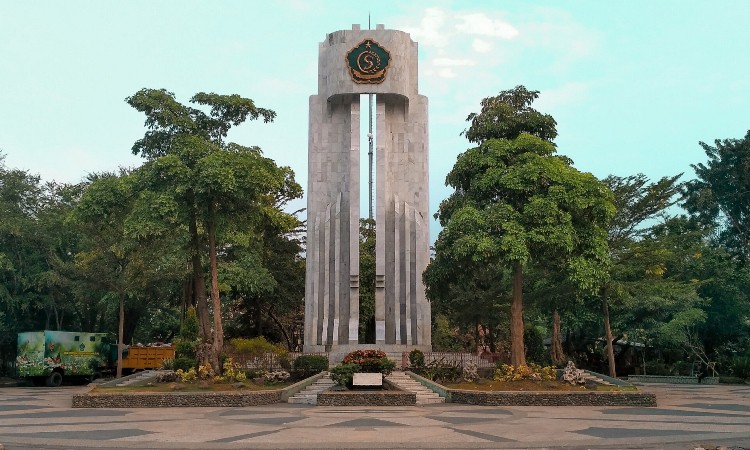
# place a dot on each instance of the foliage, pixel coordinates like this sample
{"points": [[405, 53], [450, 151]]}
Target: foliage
{"points": [[740, 367], [343, 374], [534, 372], [184, 363], [367, 280], [232, 372], [311, 363], [534, 343], [167, 364], [508, 115], [719, 196], [440, 370], [212, 189], [416, 358], [516, 203], [185, 348], [189, 376], [205, 371], [370, 361], [256, 347]]}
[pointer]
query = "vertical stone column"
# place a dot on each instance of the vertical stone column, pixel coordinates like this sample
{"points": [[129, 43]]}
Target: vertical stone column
{"points": [[402, 314]]}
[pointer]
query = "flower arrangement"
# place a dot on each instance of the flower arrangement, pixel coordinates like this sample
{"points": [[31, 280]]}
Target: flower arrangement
{"points": [[533, 372], [188, 376], [232, 373], [370, 361]]}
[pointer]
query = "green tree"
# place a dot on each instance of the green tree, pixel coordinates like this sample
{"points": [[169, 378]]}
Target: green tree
{"points": [[720, 196], [215, 186], [515, 201], [636, 264], [115, 258], [367, 281]]}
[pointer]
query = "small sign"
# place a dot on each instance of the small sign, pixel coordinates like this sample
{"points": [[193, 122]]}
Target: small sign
{"points": [[368, 62], [367, 379]]}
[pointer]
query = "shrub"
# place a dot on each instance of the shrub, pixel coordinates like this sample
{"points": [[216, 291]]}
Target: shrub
{"points": [[184, 363], [231, 373], [188, 376], [343, 374], [185, 348], [533, 372], [258, 353], [370, 361], [440, 371], [205, 371], [416, 358], [740, 367], [167, 364], [308, 365]]}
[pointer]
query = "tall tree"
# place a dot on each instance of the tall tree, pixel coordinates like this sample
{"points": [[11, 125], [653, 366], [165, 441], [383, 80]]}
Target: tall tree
{"points": [[214, 185], [515, 201], [721, 193], [639, 205]]}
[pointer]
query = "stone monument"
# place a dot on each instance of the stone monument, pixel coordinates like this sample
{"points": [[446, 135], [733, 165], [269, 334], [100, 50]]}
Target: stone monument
{"points": [[350, 63]]}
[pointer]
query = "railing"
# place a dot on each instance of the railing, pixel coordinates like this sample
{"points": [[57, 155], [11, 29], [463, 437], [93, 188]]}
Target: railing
{"points": [[272, 361]]}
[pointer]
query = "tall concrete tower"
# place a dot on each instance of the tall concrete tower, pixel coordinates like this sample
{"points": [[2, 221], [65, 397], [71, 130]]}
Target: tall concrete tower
{"points": [[350, 63]]}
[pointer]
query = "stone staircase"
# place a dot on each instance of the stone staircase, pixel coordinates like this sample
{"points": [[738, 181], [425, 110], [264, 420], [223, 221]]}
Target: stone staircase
{"points": [[136, 379], [592, 376], [309, 395], [424, 395]]}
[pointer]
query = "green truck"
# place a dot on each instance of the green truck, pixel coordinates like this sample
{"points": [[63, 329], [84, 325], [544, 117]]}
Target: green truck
{"points": [[45, 357]]}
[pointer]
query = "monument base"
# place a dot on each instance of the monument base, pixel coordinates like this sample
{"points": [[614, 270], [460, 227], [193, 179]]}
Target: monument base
{"points": [[395, 352]]}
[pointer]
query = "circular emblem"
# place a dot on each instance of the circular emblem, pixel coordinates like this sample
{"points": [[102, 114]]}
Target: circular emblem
{"points": [[368, 62]]}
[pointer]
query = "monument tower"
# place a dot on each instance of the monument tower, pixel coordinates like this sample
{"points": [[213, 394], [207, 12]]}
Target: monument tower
{"points": [[350, 63]]}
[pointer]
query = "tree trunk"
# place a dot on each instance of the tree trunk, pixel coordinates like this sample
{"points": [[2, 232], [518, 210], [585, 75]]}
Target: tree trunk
{"points": [[289, 344], [218, 342], [517, 350], [199, 289], [608, 331], [556, 354], [120, 332]]}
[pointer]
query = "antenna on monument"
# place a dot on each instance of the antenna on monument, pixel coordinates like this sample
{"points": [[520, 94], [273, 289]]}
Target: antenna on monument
{"points": [[370, 140]]}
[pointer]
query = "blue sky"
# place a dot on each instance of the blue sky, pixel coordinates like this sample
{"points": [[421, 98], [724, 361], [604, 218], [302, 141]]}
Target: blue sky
{"points": [[633, 85]]}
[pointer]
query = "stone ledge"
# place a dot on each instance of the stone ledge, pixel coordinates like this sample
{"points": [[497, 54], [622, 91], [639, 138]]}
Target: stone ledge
{"points": [[367, 398], [552, 398], [176, 399], [679, 379]]}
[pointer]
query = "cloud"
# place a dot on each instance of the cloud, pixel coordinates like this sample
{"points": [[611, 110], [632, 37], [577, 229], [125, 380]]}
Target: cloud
{"points": [[481, 46], [451, 62], [480, 24]]}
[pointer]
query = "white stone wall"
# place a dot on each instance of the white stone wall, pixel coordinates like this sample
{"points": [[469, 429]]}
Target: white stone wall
{"points": [[332, 287]]}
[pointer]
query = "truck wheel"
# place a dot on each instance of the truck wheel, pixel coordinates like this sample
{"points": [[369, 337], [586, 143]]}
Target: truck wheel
{"points": [[54, 379]]}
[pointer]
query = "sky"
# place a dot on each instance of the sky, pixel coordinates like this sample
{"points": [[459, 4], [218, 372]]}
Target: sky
{"points": [[634, 86]]}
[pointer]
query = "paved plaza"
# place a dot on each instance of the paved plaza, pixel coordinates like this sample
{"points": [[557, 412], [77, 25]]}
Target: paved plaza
{"points": [[688, 416]]}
